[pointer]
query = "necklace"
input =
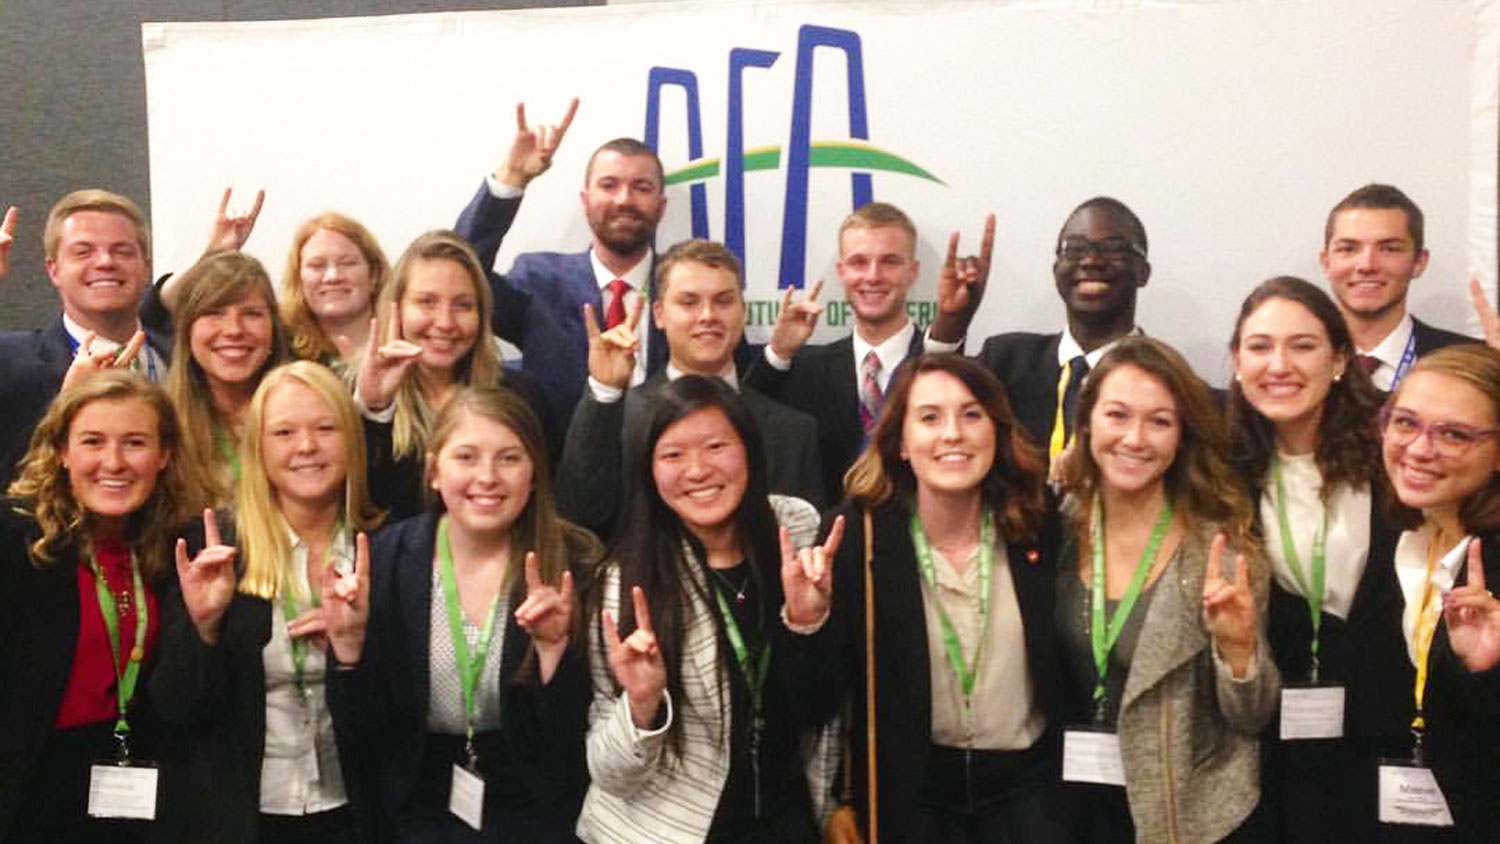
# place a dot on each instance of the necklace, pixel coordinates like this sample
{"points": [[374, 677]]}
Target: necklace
{"points": [[737, 591]]}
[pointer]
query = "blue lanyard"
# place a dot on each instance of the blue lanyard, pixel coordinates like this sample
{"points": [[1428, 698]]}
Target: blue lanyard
{"points": [[1408, 357]]}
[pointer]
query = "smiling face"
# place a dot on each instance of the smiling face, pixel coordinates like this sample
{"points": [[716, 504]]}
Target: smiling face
{"points": [[113, 456], [232, 342], [303, 447], [1370, 260], [1101, 283], [1285, 363], [440, 312], [335, 277], [877, 266], [1423, 478], [701, 470], [484, 476], [702, 313], [100, 270], [623, 200], [946, 436], [1134, 430]]}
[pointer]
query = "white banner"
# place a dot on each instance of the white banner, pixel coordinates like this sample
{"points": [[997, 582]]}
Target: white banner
{"points": [[1230, 126]]}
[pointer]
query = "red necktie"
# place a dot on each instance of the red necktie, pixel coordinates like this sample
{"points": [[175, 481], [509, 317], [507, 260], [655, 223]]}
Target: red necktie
{"points": [[1369, 362], [616, 313]]}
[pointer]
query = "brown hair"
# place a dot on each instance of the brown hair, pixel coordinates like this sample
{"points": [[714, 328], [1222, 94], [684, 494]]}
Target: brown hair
{"points": [[1380, 196], [697, 251], [1478, 366], [1015, 485], [877, 215]]}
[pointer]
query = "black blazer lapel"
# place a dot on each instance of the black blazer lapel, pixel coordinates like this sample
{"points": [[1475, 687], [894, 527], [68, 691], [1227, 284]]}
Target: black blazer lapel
{"points": [[901, 642], [414, 580]]}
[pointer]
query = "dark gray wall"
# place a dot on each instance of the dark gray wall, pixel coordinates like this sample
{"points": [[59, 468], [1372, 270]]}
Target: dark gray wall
{"points": [[73, 106]]}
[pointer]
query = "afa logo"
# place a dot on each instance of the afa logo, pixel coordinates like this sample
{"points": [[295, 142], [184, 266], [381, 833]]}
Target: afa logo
{"points": [[801, 152]]}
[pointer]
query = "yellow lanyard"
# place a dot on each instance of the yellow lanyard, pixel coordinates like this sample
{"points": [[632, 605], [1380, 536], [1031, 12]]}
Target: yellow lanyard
{"points": [[1426, 628]]}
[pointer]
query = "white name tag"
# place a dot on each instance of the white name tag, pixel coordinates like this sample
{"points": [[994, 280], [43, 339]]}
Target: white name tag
{"points": [[1315, 712], [1411, 795], [1092, 756], [466, 797], [118, 791]]}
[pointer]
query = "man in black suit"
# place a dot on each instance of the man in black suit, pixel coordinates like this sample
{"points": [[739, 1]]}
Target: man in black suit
{"points": [[1099, 266], [98, 256], [841, 384], [700, 306], [1372, 249]]}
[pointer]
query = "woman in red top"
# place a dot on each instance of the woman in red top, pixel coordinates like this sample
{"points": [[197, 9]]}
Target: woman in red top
{"points": [[85, 540]]}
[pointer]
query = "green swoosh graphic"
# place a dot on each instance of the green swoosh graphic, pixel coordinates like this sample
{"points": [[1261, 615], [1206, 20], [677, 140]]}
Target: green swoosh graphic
{"points": [[849, 156]]}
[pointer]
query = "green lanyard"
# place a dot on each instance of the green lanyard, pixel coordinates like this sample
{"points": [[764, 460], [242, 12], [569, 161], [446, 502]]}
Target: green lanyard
{"points": [[1293, 562], [229, 450], [1104, 635], [753, 666], [966, 672], [470, 665], [124, 682]]}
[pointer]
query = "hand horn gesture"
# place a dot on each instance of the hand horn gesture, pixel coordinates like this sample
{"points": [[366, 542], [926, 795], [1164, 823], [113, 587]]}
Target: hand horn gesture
{"points": [[636, 662], [807, 576]]}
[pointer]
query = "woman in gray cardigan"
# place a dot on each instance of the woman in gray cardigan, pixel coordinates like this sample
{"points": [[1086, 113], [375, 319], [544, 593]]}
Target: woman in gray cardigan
{"points": [[1168, 679]]}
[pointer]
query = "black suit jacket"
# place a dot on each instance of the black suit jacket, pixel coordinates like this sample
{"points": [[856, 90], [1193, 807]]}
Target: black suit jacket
{"points": [[1430, 338], [39, 618], [32, 366], [213, 699], [824, 383], [534, 762], [1026, 364], [829, 664], [599, 455]]}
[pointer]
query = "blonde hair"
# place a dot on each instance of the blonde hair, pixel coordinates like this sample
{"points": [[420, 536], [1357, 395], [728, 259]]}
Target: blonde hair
{"points": [[42, 490], [1478, 366], [480, 366], [307, 338], [263, 541], [94, 200], [215, 281]]}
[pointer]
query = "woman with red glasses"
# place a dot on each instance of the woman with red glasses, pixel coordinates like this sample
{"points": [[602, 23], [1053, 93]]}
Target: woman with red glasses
{"points": [[1442, 453]]}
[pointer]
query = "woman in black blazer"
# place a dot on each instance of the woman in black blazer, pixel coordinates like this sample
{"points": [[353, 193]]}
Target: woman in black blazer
{"points": [[98, 497], [1441, 448], [255, 755], [949, 469], [1303, 415], [496, 542]]}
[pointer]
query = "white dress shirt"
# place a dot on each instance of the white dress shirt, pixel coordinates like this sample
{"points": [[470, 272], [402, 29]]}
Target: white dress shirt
{"points": [[1347, 543], [1411, 572], [1389, 352], [148, 362]]}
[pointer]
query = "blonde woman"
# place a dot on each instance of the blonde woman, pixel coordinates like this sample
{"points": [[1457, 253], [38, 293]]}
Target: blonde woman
{"points": [[436, 317], [334, 274], [86, 535], [229, 335], [242, 673]]}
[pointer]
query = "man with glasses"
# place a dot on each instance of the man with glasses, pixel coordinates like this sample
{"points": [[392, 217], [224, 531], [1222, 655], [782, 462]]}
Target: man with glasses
{"points": [[1372, 250], [1100, 263]]}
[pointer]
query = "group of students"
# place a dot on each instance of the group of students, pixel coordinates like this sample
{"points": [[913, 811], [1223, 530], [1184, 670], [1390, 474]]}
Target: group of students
{"points": [[318, 588]]}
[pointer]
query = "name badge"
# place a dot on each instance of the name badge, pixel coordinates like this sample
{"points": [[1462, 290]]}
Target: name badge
{"points": [[122, 791], [466, 797], [1409, 794], [1312, 712], [1093, 756]]}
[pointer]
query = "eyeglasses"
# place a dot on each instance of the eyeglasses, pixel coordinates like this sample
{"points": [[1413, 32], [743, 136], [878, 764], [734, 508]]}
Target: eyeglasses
{"points": [[1449, 439], [1114, 249]]}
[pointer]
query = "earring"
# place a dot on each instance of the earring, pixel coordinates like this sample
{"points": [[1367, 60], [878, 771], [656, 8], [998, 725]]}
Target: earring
{"points": [[1237, 378], [1338, 376]]}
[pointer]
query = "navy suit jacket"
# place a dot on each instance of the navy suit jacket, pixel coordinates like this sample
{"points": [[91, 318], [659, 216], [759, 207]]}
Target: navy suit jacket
{"points": [[538, 304], [32, 366], [1430, 338]]}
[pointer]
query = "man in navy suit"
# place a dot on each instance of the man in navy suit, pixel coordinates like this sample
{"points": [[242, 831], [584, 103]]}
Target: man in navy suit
{"points": [[701, 308], [842, 384], [537, 303], [98, 251], [1372, 249], [1099, 267]]}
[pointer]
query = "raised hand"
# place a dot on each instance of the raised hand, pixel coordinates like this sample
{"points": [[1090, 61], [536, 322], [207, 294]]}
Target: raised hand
{"points": [[547, 615], [231, 228], [346, 604], [636, 662], [1472, 614], [807, 576], [961, 285], [532, 149], [612, 352], [91, 360], [385, 366], [207, 582], [1229, 608], [7, 238], [1489, 321], [796, 322]]}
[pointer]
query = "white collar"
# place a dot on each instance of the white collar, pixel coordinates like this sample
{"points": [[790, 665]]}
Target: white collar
{"points": [[728, 376], [637, 276], [891, 351], [1390, 350], [101, 343], [1068, 348]]}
